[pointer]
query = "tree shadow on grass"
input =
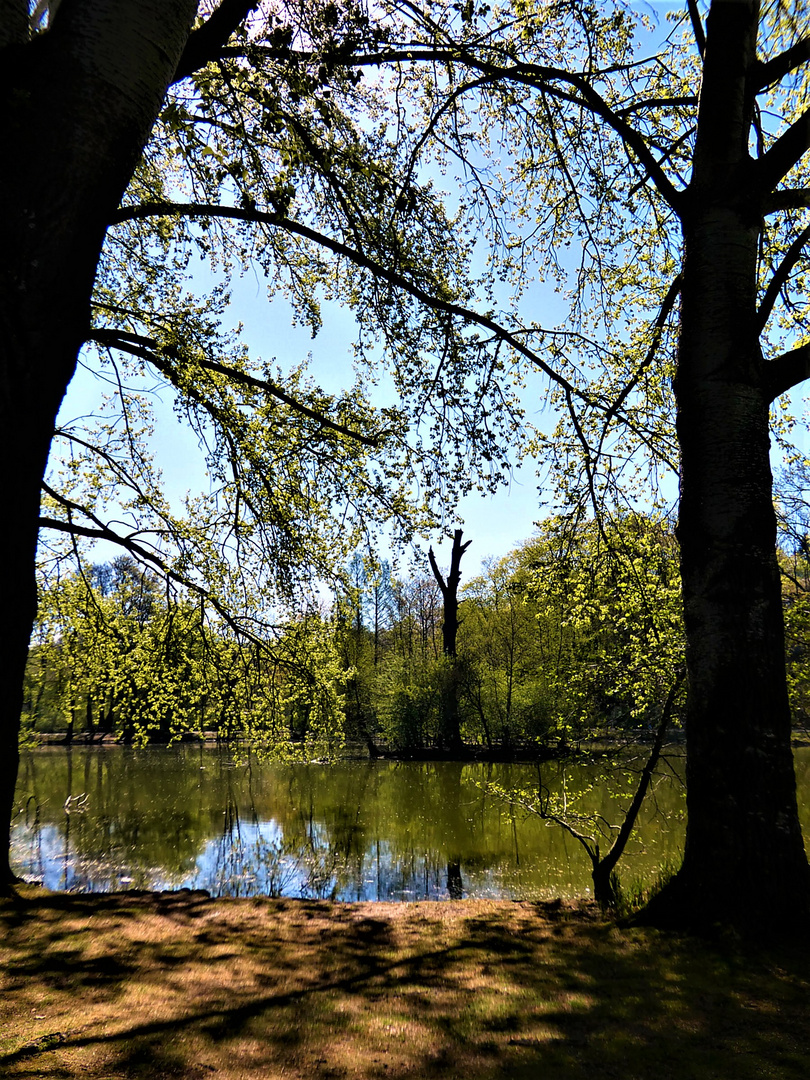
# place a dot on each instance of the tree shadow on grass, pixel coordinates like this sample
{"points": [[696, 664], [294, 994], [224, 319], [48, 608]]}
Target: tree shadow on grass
{"points": [[465, 989]]}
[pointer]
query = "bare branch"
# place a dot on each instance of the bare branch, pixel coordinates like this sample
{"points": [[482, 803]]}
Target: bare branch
{"points": [[786, 152], [697, 26], [780, 277], [773, 71], [436, 571], [787, 199], [617, 847], [658, 103]]}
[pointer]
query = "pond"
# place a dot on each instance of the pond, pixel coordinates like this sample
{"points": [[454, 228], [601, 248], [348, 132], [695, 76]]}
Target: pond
{"points": [[98, 819]]}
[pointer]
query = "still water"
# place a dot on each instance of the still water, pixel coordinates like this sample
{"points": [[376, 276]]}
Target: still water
{"points": [[96, 819]]}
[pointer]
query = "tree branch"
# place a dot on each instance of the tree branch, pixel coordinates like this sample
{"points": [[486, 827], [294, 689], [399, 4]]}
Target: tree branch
{"points": [[591, 100], [399, 281], [780, 278], [538, 77], [787, 370], [100, 531], [613, 855], [697, 27], [542, 77], [787, 199], [786, 152], [150, 350], [773, 71], [657, 103], [123, 475], [436, 571], [206, 42], [663, 315]]}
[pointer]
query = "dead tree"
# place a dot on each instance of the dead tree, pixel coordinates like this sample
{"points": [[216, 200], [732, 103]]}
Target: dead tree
{"points": [[450, 728]]}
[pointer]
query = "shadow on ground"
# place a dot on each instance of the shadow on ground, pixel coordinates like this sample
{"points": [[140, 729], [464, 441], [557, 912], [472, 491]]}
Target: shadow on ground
{"points": [[178, 985]]}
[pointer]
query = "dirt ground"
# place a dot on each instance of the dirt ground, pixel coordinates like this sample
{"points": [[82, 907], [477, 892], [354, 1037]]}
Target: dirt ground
{"points": [[179, 985]]}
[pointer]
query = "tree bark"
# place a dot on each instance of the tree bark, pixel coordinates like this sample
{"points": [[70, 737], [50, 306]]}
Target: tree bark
{"points": [[77, 104], [744, 860]]}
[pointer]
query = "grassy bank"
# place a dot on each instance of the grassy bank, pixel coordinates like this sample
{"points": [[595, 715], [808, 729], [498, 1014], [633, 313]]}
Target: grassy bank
{"points": [[177, 985]]}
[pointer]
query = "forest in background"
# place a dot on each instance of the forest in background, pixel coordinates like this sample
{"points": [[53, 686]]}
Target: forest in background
{"points": [[577, 634]]}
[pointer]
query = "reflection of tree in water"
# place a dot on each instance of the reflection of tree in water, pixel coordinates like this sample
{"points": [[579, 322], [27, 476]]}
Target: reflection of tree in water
{"points": [[357, 830], [455, 829], [380, 831], [455, 886], [248, 863], [257, 856], [257, 859], [112, 818], [33, 826]]}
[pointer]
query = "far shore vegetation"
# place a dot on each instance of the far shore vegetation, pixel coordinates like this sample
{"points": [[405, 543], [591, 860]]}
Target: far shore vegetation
{"points": [[575, 639]]}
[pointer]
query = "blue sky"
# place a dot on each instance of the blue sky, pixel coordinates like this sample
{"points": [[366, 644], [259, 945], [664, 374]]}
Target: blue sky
{"points": [[494, 523]]}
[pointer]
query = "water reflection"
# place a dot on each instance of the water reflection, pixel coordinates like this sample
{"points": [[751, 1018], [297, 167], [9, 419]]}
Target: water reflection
{"points": [[95, 819]]}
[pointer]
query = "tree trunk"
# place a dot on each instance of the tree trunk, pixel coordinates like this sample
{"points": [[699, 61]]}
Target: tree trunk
{"points": [[76, 107], [450, 733], [744, 859]]}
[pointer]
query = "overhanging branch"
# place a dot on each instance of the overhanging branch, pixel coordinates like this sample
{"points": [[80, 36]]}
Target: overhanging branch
{"points": [[337, 247], [437, 303], [150, 349], [780, 277], [569, 86], [98, 530]]}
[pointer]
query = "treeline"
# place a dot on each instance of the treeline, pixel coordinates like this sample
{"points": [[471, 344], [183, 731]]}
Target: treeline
{"points": [[117, 653], [576, 633]]}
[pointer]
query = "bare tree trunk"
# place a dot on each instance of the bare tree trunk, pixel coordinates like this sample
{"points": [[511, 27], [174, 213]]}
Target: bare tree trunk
{"points": [[744, 859]]}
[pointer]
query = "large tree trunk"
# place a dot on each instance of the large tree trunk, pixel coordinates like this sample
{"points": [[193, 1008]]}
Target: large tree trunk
{"points": [[76, 107], [744, 860]]}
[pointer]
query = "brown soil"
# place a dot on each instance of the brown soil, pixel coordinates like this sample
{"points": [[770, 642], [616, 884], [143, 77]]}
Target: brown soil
{"points": [[176, 985]]}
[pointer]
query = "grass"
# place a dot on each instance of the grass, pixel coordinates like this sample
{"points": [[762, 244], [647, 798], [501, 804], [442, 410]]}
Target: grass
{"points": [[177, 985]]}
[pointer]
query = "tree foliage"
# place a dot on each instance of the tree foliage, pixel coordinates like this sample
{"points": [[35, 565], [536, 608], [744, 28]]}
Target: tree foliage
{"points": [[117, 654], [624, 171]]}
